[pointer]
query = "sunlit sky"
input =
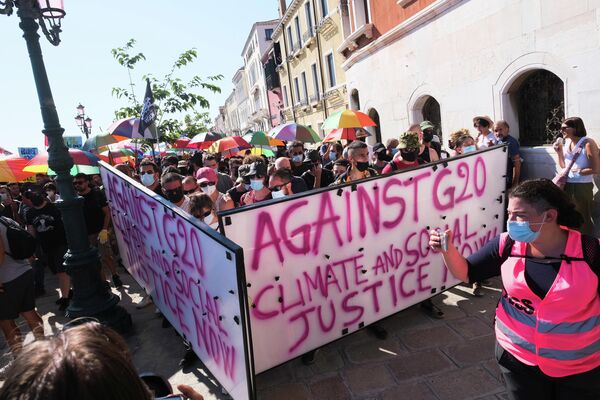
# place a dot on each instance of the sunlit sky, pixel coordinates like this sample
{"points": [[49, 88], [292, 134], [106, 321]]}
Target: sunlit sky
{"points": [[82, 70]]}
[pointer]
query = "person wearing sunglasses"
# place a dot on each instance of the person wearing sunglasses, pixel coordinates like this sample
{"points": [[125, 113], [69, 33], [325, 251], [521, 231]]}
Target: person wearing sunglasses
{"points": [[172, 187], [97, 220], [190, 185], [202, 208], [296, 154], [579, 160], [207, 180], [259, 191], [280, 184], [150, 176]]}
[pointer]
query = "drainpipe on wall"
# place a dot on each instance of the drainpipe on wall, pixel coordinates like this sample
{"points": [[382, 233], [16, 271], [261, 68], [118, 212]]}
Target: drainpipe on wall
{"points": [[287, 62], [320, 56]]}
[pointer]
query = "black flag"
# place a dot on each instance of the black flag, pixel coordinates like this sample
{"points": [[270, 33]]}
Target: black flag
{"points": [[148, 110]]}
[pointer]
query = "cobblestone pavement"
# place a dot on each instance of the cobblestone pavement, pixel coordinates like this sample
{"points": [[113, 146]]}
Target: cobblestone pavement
{"points": [[422, 358]]}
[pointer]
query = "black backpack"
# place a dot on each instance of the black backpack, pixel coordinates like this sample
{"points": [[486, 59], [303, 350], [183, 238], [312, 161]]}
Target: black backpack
{"points": [[590, 248], [20, 242]]}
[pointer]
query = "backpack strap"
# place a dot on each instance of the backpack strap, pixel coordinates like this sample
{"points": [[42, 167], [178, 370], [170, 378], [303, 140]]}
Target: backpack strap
{"points": [[590, 247], [506, 246]]}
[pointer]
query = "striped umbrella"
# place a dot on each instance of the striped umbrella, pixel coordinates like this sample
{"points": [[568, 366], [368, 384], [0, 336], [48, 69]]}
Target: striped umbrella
{"points": [[204, 140], [347, 119], [346, 134], [117, 156], [257, 151], [83, 161], [96, 142], [129, 127], [11, 169], [292, 131], [262, 139], [229, 145], [182, 142]]}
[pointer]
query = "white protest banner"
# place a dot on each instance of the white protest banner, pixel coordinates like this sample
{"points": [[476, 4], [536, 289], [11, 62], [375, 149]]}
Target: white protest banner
{"points": [[194, 275], [322, 265]]}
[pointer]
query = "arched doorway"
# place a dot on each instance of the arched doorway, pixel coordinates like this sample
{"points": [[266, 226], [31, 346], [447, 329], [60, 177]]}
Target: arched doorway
{"points": [[538, 97], [374, 130], [431, 112]]}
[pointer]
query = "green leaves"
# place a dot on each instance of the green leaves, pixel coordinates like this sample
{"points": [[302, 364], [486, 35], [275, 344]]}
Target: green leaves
{"points": [[180, 104]]}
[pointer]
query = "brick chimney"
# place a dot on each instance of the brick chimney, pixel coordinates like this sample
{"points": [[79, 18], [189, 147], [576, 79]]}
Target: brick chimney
{"points": [[282, 8]]}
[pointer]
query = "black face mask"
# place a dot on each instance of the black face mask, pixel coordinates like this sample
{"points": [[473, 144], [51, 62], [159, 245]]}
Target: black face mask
{"points": [[427, 136], [381, 156], [362, 166], [36, 199], [409, 155], [174, 195]]}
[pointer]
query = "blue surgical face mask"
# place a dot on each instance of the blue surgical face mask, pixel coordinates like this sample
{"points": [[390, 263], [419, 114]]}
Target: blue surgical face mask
{"points": [[520, 231], [332, 156], [256, 184], [147, 179], [394, 151], [297, 159], [469, 149]]}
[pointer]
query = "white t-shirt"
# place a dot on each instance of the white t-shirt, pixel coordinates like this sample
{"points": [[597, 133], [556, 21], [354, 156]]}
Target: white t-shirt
{"points": [[185, 206], [482, 141]]}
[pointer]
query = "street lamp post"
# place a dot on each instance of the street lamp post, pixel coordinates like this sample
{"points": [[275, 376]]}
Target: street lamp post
{"points": [[91, 297], [83, 122]]}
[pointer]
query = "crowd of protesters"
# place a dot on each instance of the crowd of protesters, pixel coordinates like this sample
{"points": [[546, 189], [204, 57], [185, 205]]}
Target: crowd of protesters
{"points": [[204, 184]]}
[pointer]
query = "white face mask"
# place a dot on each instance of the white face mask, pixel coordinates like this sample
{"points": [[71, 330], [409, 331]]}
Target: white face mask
{"points": [[209, 189], [277, 194]]}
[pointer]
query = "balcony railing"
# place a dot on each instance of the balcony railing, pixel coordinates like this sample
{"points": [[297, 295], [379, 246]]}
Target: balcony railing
{"points": [[308, 35]]}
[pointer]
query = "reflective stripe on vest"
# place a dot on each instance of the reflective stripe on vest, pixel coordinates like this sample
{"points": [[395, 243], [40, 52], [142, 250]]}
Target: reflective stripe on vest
{"points": [[554, 354], [561, 332], [548, 327]]}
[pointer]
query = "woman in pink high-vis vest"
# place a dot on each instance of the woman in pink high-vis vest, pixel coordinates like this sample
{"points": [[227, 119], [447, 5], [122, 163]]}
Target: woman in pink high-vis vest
{"points": [[548, 317]]}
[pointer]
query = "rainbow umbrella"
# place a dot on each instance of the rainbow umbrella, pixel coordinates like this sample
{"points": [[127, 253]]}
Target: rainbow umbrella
{"points": [[83, 161], [96, 142], [347, 119], [204, 140], [346, 134], [11, 169], [229, 145], [292, 131], [182, 142], [261, 139], [117, 156], [129, 127], [257, 151]]}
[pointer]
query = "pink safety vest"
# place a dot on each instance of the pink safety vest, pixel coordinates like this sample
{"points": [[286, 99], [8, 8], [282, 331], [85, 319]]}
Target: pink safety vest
{"points": [[560, 333]]}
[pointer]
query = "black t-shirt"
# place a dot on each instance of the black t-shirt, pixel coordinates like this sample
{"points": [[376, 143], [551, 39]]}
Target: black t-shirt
{"points": [[487, 261], [95, 200], [235, 195], [300, 169], [12, 211], [48, 225], [327, 178]]}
